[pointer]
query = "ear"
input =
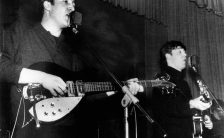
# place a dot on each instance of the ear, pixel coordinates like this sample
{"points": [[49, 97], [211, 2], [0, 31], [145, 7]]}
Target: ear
{"points": [[167, 55], [168, 58], [47, 5]]}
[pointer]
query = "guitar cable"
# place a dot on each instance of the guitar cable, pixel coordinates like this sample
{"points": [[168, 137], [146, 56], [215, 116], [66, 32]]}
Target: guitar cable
{"points": [[17, 114], [24, 115]]}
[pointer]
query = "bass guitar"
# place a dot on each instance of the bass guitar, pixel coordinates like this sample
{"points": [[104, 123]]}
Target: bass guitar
{"points": [[199, 116], [46, 108]]}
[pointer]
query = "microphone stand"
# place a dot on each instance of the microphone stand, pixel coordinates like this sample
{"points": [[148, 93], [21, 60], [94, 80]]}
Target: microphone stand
{"points": [[126, 123], [128, 98]]}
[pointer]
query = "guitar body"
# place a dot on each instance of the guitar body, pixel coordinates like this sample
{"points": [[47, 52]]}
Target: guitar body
{"points": [[199, 116], [197, 125], [53, 109], [41, 105]]}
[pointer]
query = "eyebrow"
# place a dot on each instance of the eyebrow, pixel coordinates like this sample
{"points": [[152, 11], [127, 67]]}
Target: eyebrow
{"points": [[179, 47]]}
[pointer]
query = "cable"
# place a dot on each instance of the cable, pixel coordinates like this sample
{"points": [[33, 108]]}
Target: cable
{"points": [[17, 114]]}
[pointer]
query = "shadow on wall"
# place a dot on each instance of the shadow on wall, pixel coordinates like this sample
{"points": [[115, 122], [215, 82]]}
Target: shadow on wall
{"points": [[114, 34]]}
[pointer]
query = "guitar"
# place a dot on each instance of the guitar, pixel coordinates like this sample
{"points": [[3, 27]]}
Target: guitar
{"points": [[198, 117], [45, 108]]}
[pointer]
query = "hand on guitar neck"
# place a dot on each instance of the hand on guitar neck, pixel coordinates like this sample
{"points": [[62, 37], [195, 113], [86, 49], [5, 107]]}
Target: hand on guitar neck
{"points": [[134, 87], [198, 103]]}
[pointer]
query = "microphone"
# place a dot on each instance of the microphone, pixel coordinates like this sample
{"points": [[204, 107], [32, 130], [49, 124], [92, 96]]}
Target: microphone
{"points": [[75, 21], [193, 62]]}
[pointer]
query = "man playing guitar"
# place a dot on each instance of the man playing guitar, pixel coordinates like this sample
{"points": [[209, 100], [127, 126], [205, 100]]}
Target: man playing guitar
{"points": [[173, 109]]}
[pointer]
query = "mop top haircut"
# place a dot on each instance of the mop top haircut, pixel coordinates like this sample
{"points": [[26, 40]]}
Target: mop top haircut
{"points": [[167, 49]]}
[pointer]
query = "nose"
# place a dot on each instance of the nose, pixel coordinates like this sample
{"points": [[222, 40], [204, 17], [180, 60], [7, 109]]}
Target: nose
{"points": [[184, 54], [71, 7]]}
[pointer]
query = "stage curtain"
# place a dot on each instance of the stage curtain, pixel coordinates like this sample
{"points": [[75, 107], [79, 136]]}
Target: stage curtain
{"points": [[201, 31], [1, 27], [142, 6], [131, 5], [216, 6], [153, 10]]}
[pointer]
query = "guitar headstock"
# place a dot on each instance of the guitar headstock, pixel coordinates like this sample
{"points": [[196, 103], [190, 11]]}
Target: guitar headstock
{"points": [[163, 84], [162, 76], [162, 81]]}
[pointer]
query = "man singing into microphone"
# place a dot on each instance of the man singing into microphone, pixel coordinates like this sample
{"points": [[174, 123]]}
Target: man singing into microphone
{"points": [[173, 108], [46, 42]]}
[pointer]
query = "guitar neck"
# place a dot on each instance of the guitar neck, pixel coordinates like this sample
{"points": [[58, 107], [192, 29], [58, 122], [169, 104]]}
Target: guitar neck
{"points": [[86, 87], [149, 83], [97, 86]]}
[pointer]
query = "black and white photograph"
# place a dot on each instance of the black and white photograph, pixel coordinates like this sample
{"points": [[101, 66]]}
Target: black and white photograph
{"points": [[111, 69]]}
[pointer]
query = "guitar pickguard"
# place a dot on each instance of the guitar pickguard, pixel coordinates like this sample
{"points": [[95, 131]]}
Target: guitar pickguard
{"points": [[53, 109]]}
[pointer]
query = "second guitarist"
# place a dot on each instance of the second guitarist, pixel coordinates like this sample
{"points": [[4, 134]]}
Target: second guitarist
{"points": [[173, 109]]}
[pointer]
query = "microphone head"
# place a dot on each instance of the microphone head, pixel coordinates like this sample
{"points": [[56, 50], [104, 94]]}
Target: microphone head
{"points": [[76, 18], [189, 61], [193, 62], [75, 21]]}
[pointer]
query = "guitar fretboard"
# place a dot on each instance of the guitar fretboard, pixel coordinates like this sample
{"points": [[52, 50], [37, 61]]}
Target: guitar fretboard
{"points": [[85, 87], [79, 88]]}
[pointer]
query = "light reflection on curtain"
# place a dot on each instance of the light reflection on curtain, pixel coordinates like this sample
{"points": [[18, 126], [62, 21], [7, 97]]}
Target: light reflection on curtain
{"points": [[1, 30], [217, 6], [153, 10], [141, 6], [132, 5]]}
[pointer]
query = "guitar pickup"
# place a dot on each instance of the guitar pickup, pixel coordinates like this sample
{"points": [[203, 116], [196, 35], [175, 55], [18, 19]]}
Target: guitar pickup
{"points": [[75, 89], [33, 92]]}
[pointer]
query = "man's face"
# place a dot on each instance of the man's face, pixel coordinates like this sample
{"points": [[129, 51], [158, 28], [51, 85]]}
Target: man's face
{"points": [[60, 11], [177, 58]]}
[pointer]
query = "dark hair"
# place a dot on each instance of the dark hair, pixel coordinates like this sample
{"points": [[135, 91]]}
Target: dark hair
{"points": [[167, 49], [51, 1]]}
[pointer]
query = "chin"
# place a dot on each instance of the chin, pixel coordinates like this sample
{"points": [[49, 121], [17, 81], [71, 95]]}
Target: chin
{"points": [[183, 68], [65, 26]]}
